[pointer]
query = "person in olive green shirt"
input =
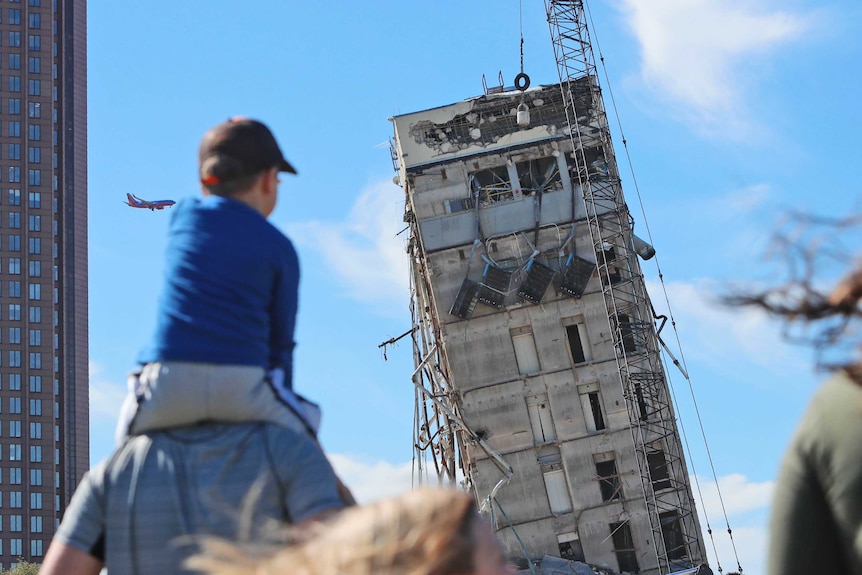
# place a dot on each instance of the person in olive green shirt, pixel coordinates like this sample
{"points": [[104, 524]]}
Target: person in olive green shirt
{"points": [[816, 524]]}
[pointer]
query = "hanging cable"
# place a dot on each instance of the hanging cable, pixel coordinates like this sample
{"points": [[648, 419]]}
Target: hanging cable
{"points": [[661, 280], [521, 29]]}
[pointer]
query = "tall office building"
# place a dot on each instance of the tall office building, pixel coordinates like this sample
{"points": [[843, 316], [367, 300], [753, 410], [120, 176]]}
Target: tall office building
{"points": [[44, 413]]}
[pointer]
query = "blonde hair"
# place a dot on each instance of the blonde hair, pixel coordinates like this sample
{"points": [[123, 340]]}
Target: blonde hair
{"points": [[423, 532]]}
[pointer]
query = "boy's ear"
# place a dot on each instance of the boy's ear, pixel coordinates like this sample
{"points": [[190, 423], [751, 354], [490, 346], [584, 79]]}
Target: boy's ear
{"points": [[271, 180]]}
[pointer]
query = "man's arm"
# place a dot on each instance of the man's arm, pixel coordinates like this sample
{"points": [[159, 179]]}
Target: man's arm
{"points": [[63, 559]]}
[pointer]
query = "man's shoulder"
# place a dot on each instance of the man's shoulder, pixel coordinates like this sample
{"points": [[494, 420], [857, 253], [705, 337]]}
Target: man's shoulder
{"points": [[222, 436]]}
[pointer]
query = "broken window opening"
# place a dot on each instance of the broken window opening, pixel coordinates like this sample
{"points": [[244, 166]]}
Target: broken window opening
{"points": [[671, 531], [571, 548], [609, 480], [591, 403], [658, 470], [613, 271], [579, 345], [624, 547], [628, 337], [491, 186], [539, 175]]}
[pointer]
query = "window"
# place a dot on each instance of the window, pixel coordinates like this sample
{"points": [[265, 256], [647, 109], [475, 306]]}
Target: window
{"points": [[36, 547], [609, 257], [35, 223], [34, 66], [639, 383], [591, 404], [14, 39], [35, 245], [15, 476], [14, 243], [35, 199], [14, 174], [15, 500], [15, 16], [15, 547], [15, 311], [35, 433], [15, 154], [34, 155], [671, 532], [14, 405], [525, 350], [14, 84], [540, 418], [658, 470], [609, 479], [35, 21], [558, 491], [36, 380], [14, 264], [36, 363], [15, 381], [14, 61], [35, 339], [15, 452], [626, 334], [624, 547], [35, 454], [14, 428], [14, 106], [579, 342], [15, 289], [36, 477], [570, 547], [35, 268], [35, 43], [35, 314]]}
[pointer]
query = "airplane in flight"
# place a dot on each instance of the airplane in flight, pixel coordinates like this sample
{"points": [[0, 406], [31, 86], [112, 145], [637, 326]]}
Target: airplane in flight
{"points": [[137, 202]]}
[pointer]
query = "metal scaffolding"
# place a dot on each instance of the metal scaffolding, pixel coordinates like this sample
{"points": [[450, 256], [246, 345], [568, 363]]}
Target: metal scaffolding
{"points": [[631, 318]]}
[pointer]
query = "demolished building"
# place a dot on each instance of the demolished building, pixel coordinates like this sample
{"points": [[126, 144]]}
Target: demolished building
{"points": [[539, 379]]}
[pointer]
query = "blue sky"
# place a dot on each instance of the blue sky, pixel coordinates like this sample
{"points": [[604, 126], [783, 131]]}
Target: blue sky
{"points": [[733, 115]]}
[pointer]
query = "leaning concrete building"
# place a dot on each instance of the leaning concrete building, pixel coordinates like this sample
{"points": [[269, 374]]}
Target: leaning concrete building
{"points": [[538, 375]]}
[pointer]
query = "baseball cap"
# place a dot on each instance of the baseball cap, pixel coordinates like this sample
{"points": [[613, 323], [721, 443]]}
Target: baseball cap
{"points": [[237, 148]]}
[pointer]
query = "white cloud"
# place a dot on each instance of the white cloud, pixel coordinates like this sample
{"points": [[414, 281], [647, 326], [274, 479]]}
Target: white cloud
{"points": [[106, 396], [365, 249], [737, 494], [372, 480], [746, 199], [741, 498], [697, 53]]}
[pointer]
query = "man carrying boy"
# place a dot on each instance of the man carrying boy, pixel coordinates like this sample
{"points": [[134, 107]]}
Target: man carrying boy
{"points": [[212, 413]]}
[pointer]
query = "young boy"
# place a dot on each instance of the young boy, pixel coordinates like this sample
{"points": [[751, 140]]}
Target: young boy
{"points": [[223, 347]]}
